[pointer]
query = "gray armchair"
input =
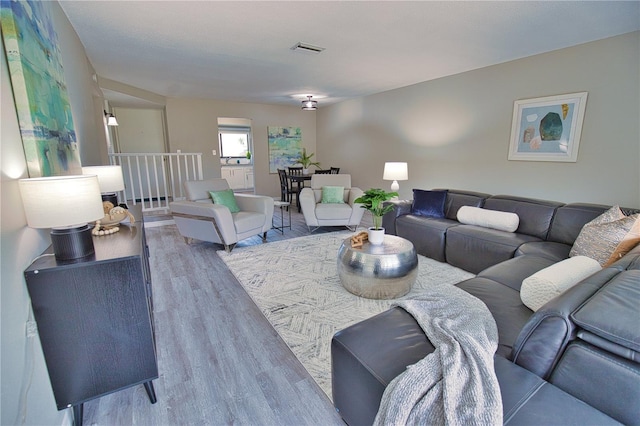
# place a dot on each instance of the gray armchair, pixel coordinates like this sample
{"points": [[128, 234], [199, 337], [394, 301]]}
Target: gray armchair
{"points": [[317, 214], [198, 217]]}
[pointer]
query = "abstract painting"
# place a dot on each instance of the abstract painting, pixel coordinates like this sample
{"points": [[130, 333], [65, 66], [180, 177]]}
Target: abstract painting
{"points": [[39, 89], [547, 129], [285, 145]]}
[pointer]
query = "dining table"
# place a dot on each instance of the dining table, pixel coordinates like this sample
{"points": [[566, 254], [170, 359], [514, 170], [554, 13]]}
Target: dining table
{"points": [[299, 180]]}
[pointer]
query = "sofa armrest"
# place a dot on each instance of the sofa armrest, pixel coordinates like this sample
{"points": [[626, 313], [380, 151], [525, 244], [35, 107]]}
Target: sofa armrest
{"points": [[193, 210], [356, 208], [308, 205], [255, 203], [401, 208]]}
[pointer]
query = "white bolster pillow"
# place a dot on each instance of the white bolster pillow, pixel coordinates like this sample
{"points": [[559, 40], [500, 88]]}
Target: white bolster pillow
{"points": [[554, 280], [502, 221]]}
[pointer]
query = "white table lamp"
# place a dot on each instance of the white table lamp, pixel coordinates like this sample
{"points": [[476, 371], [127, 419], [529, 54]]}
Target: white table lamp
{"points": [[110, 180], [395, 171], [65, 204]]}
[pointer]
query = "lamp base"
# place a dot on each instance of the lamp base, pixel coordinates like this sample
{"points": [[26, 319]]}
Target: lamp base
{"points": [[395, 186], [72, 243]]}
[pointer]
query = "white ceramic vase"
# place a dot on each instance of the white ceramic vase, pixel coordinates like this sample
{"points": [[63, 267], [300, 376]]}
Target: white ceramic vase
{"points": [[305, 171], [376, 236]]}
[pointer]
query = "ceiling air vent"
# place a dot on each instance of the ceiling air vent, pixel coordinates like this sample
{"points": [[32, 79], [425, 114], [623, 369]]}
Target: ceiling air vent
{"points": [[307, 48]]}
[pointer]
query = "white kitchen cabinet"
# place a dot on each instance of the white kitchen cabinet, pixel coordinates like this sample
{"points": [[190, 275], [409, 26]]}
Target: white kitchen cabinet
{"points": [[238, 177]]}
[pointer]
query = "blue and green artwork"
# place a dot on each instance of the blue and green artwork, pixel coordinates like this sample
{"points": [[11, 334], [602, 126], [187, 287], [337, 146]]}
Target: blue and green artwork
{"points": [[39, 89], [285, 145]]}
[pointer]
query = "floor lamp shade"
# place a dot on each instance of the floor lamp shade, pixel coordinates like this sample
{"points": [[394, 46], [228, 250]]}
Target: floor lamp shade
{"points": [[395, 171], [65, 204], [110, 180]]}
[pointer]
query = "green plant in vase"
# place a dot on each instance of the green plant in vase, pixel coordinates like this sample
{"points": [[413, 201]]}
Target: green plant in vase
{"points": [[373, 200], [305, 160]]}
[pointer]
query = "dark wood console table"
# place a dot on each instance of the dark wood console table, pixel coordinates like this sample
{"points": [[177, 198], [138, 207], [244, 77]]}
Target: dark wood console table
{"points": [[95, 318]]}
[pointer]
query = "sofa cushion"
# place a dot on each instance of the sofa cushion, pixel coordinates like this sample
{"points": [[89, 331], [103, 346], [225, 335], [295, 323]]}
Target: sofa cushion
{"points": [[505, 306], [225, 198], [333, 211], [554, 280], [549, 249], [513, 271], [535, 215], [473, 248], [457, 198], [248, 221], [428, 234], [608, 237], [502, 221], [332, 195], [569, 220], [428, 203]]}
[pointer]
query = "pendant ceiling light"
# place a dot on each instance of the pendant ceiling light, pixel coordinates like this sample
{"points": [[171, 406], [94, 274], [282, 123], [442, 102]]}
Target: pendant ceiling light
{"points": [[309, 105]]}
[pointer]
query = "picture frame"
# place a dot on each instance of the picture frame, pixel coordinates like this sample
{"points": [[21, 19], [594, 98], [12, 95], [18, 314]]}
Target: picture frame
{"points": [[547, 128], [285, 145], [39, 89]]}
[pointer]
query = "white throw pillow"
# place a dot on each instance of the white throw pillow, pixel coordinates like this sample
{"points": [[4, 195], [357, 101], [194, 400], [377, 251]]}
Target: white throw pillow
{"points": [[554, 280], [494, 219]]}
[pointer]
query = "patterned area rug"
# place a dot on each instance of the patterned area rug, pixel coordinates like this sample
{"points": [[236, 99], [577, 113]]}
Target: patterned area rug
{"points": [[295, 284]]}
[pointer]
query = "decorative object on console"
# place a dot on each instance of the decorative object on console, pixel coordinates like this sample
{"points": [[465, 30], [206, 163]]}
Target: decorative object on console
{"points": [[554, 280], [395, 171], [373, 200], [110, 223], [608, 237], [110, 180], [428, 203], [547, 129], [494, 219], [66, 204]]}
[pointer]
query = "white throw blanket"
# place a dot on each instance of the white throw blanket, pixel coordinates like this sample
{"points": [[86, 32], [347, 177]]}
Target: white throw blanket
{"points": [[456, 384]]}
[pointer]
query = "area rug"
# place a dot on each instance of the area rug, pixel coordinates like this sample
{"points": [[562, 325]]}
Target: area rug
{"points": [[296, 286]]}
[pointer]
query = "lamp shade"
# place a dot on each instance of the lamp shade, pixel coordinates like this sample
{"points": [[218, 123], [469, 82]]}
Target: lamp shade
{"points": [[395, 171], [61, 201], [109, 177]]}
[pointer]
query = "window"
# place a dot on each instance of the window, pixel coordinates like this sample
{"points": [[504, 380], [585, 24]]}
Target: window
{"points": [[234, 144]]}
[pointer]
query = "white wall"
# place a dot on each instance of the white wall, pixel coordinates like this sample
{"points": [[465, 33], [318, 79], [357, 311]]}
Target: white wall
{"points": [[193, 127], [19, 245], [454, 132]]}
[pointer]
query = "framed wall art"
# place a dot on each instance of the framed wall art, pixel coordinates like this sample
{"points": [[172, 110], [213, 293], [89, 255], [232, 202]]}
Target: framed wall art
{"points": [[285, 145], [39, 89], [547, 129]]}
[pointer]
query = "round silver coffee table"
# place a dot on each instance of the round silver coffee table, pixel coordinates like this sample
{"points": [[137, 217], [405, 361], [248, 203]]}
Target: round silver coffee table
{"points": [[385, 271]]}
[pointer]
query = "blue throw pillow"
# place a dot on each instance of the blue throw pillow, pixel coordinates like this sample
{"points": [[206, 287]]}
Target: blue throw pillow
{"points": [[428, 203]]}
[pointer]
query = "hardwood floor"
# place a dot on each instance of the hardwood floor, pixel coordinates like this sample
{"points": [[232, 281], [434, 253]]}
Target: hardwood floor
{"points": [[220, 361]]}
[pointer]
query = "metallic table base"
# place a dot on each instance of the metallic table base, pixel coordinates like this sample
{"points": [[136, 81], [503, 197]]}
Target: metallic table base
{"points": [[385, 271]]}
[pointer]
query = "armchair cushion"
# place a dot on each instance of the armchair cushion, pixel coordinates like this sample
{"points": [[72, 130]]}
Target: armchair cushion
{"points": [[225, 198], [332, 195]]}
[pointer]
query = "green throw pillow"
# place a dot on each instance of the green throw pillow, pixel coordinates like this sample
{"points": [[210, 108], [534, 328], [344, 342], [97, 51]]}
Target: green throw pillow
{"points": [[332, 195], [226, 198]]}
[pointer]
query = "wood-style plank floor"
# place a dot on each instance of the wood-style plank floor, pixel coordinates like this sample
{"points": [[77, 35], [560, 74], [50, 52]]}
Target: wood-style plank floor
{"points": [[219, 359]]}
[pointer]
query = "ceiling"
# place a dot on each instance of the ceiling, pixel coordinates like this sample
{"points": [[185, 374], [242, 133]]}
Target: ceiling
{"points": [[241, 50]]}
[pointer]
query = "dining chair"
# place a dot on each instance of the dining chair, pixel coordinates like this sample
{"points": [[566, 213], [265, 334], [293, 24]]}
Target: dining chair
{"points": [[295, 170], [323, 172], [286, 191], [335, 170]]}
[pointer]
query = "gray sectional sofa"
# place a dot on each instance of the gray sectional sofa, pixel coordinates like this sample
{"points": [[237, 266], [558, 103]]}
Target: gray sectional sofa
{"points": [[574, 361]]}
